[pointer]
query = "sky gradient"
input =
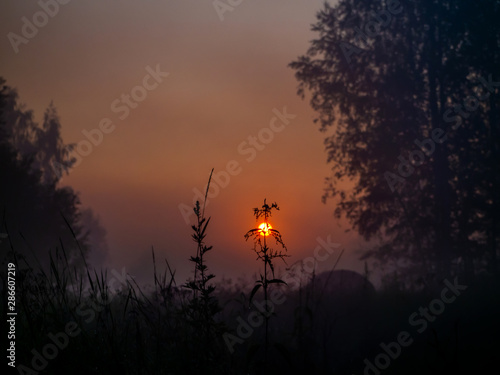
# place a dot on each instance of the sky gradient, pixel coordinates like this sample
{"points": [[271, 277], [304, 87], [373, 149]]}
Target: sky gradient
{"points": [[227, 80]]}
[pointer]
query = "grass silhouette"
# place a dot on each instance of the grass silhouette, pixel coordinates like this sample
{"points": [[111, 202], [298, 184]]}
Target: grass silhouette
{"points": [[120, 327]]}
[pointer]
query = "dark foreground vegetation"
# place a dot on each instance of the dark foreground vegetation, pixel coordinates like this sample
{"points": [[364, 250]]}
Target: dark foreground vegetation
{"points": [[411, 92], [71, 321]]}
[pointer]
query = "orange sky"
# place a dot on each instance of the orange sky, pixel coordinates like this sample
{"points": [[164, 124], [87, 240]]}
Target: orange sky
{"points": [[225, 79]]}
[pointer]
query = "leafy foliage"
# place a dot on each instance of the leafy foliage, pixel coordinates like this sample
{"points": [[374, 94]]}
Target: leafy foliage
{"points": [[411, 76], [32, 205]]}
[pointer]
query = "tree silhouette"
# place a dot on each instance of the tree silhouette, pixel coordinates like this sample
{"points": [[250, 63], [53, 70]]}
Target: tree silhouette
{"points": [[38, 216], [409, 94], [42, 145]]}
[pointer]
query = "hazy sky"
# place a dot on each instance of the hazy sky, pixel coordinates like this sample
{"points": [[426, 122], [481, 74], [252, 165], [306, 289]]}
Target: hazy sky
{"points": [[226, 80]]}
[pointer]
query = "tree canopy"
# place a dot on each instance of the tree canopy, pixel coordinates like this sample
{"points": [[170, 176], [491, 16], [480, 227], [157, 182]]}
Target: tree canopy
{"points": [[407, 93], [39, 216]]}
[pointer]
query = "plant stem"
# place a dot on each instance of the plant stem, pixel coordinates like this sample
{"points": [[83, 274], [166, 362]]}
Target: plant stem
{"points": [[265, 296]]}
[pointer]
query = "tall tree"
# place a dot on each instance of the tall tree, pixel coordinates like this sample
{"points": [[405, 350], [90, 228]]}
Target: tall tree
{"points": [[51, 150], [409, 91], [35, 211], [43, 145]]}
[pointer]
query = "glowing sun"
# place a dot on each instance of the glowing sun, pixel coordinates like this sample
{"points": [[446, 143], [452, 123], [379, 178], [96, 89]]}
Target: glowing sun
{"points": [[264, 229]]}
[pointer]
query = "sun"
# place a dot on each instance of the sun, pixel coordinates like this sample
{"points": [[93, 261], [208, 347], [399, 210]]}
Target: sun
{"points": [[264, 229]]}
